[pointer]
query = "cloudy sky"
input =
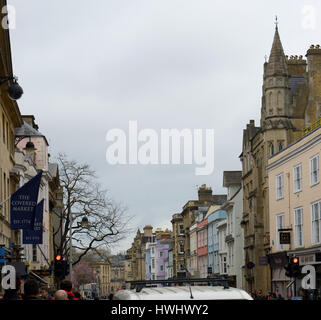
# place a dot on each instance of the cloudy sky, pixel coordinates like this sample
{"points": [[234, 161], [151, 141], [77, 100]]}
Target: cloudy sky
{"points": [[88, 67]]}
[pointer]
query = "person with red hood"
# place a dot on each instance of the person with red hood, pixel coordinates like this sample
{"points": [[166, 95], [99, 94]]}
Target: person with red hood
{"points": [[67, 286]]}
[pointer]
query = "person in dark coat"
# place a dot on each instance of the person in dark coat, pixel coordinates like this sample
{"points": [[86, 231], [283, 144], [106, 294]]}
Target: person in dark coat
{"points": [[13, 294], [31, 290]]}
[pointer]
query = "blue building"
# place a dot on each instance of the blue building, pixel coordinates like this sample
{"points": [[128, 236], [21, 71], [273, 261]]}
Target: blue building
{"points": [[214, 217]]}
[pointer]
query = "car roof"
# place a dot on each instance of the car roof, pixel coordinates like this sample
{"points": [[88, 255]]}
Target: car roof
{"points": [[184, 293]]}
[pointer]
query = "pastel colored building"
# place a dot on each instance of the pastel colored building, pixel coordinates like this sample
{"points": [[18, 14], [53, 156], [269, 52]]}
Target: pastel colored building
{"points": [[214, 217], [192, 268], [295, 204], [202, 249], [234, 239]]}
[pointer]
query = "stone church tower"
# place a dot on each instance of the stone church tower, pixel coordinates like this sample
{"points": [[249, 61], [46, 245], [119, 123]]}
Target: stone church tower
{"points": [[291, 101]]}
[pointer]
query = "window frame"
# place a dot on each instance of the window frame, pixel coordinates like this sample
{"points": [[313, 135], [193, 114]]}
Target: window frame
{"points": [[279, 246], [279, 197], [296, 244], [295, 190], [318, 170], [319, 223]]}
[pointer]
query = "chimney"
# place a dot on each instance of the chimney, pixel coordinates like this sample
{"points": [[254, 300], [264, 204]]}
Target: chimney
{"points": [[30, 119], [204, 194], [148, 231]]}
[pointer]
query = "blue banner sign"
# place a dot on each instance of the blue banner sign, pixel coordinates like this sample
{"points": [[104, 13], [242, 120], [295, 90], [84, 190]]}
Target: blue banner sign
{"points": [[35, 236], [23, 203], [2, 255]]}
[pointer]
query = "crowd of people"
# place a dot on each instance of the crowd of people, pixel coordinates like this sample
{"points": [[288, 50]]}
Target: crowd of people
{"points": [[304, 294], [270, 296], [32, 291]]}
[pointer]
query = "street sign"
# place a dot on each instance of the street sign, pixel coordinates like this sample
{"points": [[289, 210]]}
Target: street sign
{"points": [[296, 298], [285, 238]]}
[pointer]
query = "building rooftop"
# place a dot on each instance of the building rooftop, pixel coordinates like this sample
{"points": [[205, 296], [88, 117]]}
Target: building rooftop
{"points": [[232, 177]]}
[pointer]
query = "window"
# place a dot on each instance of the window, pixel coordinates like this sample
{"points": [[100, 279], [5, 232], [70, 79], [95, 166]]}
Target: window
{"points": [[224, 265], [181, 229], [160, 254], [34, 253], [270, 99], [279, 186], [316, 222], [181, 247], [314, 170], [279, 98], [279, 225], [298, 227], [280, 146], [153, 263], [161, 268], [271, 149], [297, 177]]}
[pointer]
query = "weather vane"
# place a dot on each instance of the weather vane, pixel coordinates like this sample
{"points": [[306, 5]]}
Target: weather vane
{"points": [[276, 21]]}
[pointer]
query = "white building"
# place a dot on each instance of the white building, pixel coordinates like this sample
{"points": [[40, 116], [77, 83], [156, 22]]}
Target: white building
{"points": [[192, 267], [222, 247], [234, 233]]}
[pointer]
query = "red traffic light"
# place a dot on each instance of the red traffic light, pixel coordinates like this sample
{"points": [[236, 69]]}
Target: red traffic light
{"points": [[295, 260], [58, 257]]}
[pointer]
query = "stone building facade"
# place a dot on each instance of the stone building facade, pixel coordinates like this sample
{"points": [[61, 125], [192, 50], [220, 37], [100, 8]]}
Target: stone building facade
{"points": [[291, 100]]}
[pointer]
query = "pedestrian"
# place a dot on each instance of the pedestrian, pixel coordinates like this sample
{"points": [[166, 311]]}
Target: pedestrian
{"points": [[61, 295], [67, 286], [78, 295], [13, 294], [44, 294], [280, 297], [260, 296], [110, 297], [31, 290]]}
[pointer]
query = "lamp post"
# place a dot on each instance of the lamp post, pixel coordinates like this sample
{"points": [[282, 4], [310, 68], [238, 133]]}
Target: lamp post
{"points": [[83, 223], [14, 91]]}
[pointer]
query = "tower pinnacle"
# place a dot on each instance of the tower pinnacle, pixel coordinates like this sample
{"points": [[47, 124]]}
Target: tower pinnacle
{"points": [[277, 62]]}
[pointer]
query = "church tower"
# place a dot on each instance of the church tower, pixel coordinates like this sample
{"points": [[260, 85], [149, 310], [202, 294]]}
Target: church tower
{"points": [[275, 111]]}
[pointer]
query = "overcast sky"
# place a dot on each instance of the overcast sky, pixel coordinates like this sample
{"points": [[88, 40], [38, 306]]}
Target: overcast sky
{"points": [[88, 67]]}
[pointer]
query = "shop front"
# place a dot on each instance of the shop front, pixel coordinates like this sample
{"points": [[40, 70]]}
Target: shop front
{"points": [[279, 280]]}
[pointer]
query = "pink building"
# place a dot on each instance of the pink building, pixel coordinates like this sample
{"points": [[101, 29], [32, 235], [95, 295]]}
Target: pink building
{"points": [[202, 248]]}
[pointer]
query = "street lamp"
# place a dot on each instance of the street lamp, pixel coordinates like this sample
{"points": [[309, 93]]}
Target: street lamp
{"points": [[14, 91], [84, 223]]}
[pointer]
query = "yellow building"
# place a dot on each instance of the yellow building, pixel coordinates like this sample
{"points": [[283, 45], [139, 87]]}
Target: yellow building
{"points": [[117, 278], [102, 271], [295, 206], [10, 118], [178, 244], [136, 254]]}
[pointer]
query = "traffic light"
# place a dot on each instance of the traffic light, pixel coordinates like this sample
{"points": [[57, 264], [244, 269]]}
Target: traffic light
{"points": [[296, 271], [293, 268], [59, 267]]}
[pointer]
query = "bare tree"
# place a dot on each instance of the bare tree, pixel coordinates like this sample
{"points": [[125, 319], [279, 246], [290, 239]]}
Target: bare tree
{"points": [[85, 201]]}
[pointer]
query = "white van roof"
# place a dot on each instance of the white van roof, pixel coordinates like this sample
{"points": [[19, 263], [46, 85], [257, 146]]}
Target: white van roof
{"points": [[184, 293]]}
